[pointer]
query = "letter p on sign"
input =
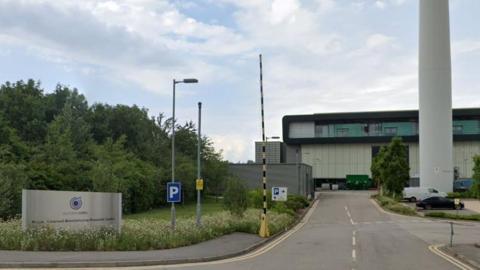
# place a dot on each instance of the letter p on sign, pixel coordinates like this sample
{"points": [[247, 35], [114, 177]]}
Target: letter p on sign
{"points": [[174, 192]]}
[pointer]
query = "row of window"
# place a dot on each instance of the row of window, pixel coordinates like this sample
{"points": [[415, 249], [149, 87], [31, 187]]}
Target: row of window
{"points": [[387, 129]]}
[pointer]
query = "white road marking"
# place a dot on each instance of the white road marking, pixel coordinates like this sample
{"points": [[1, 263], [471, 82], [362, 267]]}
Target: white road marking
{"points": [[354, 243], [349, 216]]}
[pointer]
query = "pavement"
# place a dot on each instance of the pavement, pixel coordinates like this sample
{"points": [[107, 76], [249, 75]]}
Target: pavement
{"points": [[472, 205], [469, 254], [346, 230]]}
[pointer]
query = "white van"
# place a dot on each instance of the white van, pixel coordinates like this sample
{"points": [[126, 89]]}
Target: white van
{"points": [[413, 194]]}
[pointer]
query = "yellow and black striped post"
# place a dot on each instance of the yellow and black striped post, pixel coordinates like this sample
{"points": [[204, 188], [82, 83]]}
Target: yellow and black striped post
{"points": [[264, 232]]}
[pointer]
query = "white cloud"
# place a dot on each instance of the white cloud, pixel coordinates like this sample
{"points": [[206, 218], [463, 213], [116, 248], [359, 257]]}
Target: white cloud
{"points": [[283, 10], [234, 147], [378, 40], [380, 4], [326, 5], [466, 46]]}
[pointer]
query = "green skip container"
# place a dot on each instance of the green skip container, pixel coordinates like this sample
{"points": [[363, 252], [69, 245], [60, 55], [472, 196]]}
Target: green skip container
{"points": [[358, 182]]}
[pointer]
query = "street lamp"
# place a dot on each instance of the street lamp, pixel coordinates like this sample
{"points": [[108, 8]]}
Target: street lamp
{"points": [[190, 80], [273, 138]]}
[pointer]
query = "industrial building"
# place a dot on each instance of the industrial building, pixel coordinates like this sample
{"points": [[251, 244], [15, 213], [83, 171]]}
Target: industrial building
{"points": [[296, 177], [274, 150], [341, 144]]}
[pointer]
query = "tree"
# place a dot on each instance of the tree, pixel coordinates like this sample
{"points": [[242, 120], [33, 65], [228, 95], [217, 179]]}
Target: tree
{"points": [[390, 168], [117, 170], [376, 169], [235, 197], [58, 142], [23, 107], [12, 180], [476, 176]]}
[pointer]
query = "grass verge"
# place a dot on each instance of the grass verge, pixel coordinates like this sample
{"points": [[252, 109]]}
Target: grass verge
{"points": [[475, 217], [394, 205], [138, 234], [209, 206]]}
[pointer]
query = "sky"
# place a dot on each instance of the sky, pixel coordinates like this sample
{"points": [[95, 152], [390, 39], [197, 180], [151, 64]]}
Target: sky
{"points": [[318, 56]]}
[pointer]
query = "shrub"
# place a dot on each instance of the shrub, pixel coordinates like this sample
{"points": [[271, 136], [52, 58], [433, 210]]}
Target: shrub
{"points": [[466, 194], [297, 202], [255, 198], [235, 197], [395, 206], [282, 208], [402, 209], [292, 205]]}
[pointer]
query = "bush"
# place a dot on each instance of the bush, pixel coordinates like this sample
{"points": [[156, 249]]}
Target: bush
{"points": [[291, 206], [466, 194], [394, 206], [402, 209], [282, 208], [235, 197], [255, 198], [296, 202]]}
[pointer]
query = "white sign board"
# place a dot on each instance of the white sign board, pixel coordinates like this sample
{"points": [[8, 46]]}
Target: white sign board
{"points": [[71, 209], [279, 194]]}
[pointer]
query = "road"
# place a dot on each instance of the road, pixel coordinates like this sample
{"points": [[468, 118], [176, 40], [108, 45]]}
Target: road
{"points": [[347, 231]]}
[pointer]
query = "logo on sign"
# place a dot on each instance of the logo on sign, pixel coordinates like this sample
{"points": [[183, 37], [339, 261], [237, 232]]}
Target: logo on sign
{"points": [[76, 203], [279, 194], [174, 191]]}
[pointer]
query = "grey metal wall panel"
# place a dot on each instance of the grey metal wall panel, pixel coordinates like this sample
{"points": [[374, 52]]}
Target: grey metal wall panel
{"points": [[283, 175]]}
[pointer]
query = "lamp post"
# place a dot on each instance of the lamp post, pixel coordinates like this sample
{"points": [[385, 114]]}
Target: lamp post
{"points": [[175, 82], [199, 141]]}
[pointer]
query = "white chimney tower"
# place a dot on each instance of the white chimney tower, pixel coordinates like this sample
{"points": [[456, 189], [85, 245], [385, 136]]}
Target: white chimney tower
{"points": [[435, 96]]}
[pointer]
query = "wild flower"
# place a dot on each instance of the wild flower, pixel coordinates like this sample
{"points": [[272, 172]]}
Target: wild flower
{"points": [[137, 234]]}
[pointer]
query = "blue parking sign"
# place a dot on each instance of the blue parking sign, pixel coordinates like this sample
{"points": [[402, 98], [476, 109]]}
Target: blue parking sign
{"points": [[174, 192]]}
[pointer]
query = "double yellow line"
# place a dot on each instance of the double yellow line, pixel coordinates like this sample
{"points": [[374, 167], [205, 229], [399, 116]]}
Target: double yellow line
{"points": [[436, 249]]}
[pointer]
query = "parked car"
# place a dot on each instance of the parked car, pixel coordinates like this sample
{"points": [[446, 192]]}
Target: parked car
{"points": [[414, 194], [439, 202]]}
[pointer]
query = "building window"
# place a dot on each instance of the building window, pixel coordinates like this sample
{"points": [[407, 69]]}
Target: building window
{"points": [[415, 128], [321, 130], [390, 131], [374, 129], [457, 129], [342, 132]]}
